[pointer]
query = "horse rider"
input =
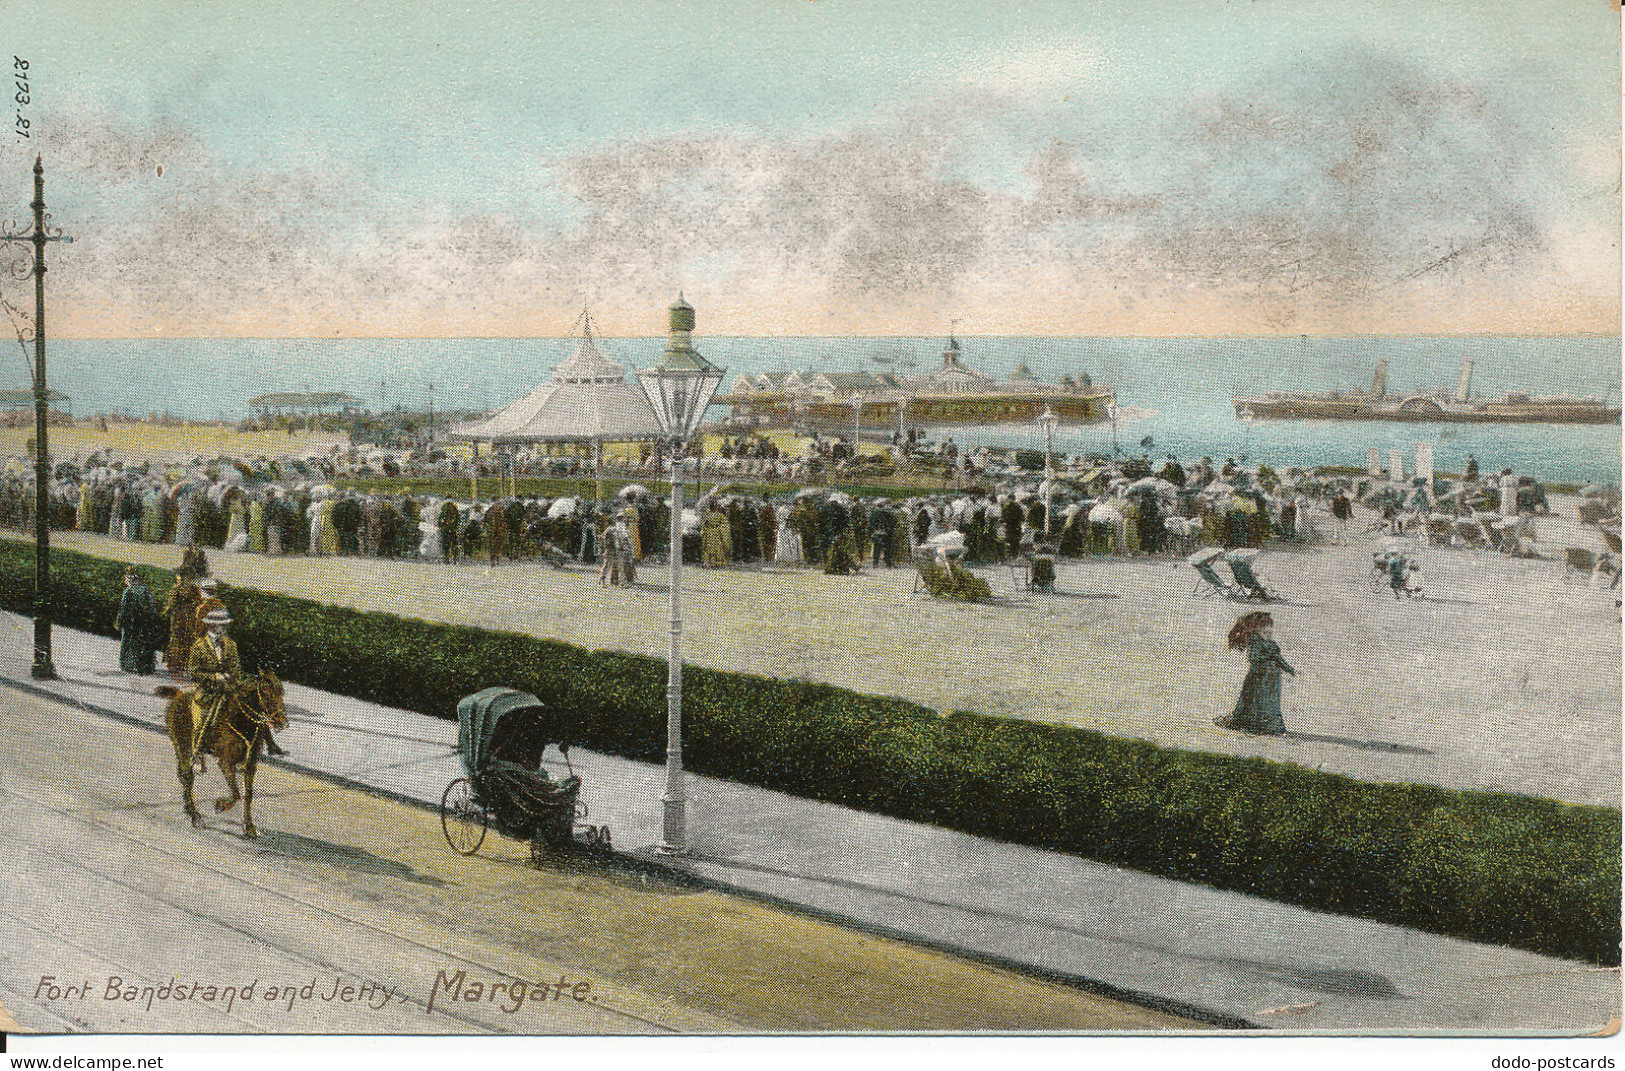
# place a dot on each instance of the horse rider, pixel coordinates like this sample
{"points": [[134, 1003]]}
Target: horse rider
{"points": [[217, 671]]}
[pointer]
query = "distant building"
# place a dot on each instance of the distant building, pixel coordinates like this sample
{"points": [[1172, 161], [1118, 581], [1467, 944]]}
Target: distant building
{"points": [[953, 394], [265, 405], [24, 399]]}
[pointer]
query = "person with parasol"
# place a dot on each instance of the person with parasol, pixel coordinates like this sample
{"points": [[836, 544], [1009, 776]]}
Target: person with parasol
{"points": [[1258, 710]]}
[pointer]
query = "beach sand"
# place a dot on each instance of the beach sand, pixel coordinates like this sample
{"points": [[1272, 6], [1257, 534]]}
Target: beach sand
{"points": [[1505, 677], [134, 443]]}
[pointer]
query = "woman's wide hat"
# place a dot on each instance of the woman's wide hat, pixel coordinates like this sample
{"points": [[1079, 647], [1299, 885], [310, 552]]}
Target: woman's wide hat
{"points": [[216, 617]]}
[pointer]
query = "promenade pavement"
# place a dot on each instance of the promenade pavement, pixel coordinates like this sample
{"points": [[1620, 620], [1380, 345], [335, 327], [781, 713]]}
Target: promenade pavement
{"points": [[1231, 959], [1505, 678]]}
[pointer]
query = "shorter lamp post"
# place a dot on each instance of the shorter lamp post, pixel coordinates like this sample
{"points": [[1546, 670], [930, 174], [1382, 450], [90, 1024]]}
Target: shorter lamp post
{"points": [[1047, 420], [679, 389], [857, 422]]}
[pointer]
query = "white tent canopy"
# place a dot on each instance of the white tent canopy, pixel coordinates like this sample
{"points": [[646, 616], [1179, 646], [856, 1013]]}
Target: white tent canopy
{"points": [[587, 399]]}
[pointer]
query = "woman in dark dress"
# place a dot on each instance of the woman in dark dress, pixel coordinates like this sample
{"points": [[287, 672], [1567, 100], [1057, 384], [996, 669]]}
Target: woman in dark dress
{"points": [[137, 626], [1258, 710]]}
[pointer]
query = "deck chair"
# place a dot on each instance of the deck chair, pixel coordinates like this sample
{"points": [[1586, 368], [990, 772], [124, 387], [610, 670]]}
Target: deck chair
{"points": [[1208, 581], [1607, 566], [927, 572], [1247, 582], [1578, 560]]}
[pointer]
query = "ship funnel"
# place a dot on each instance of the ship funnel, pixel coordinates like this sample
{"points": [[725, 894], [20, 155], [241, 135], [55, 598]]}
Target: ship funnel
{"points": [[1379, 380], [1465, 383]]}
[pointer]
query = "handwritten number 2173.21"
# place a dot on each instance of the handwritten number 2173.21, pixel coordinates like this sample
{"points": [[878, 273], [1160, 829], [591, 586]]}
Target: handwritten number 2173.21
{"points": [[19, 73]]}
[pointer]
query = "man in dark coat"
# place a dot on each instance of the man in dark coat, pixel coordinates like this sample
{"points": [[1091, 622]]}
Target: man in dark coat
{"points": [[1010, 513], [736, 529], [391, 529], [1152, 532], [496, 529], [857, 523], [518, 544], [137, 626], [206, 527], [882, 523], [654, 526], [805, 517], [129, 514], [750, 530], [101, 508], [832, 519], [450, 523], [1342, 512], [473, 535], [347, 522]]}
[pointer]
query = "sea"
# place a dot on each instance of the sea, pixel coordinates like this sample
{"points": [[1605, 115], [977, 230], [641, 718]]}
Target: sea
{"points": [[1173, 394]]}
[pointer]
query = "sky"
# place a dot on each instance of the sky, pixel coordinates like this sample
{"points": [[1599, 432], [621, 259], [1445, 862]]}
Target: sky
{"points": [[810, 167]]}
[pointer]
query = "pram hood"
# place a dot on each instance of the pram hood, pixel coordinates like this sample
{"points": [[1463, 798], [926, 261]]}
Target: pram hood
{"points": [[508, 724]]}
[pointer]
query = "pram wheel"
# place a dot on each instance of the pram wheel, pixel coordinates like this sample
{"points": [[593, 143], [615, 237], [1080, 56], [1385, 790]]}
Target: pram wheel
{"points": [[462, 819]]}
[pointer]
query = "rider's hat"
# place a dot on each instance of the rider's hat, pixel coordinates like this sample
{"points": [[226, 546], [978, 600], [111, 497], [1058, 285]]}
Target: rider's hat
{"points": [[216, 617]]}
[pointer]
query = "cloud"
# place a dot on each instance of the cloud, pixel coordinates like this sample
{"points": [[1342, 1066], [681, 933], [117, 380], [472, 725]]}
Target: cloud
{"points": [[1348, 190], [1038, 72], [868, 212], [1349, 176]]}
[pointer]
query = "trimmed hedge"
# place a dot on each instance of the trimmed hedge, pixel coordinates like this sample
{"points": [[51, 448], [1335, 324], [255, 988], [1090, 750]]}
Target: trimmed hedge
{"points": [[1516, 870]]}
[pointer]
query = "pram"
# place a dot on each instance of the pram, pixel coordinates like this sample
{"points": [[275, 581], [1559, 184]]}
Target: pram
{"points": [[501, 736], [1248, 586]]}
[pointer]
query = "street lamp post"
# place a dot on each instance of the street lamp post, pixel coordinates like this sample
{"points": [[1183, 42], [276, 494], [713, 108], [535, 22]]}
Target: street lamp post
{"points": [[43, 668], [857, 423], [431, 421], [1047, 419], [679, 389]]}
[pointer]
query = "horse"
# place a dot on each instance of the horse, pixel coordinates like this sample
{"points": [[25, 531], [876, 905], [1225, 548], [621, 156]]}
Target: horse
{"points": [[236, 739]]}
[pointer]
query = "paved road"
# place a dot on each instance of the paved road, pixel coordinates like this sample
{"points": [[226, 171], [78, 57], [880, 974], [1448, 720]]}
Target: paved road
{"points": [[108, 892]]}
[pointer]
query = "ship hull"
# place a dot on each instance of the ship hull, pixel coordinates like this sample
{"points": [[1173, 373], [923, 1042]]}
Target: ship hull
{"points": [[1273, 409]]}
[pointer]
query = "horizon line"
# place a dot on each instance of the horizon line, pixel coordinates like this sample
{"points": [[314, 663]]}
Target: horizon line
{"points": [[597, 334]]}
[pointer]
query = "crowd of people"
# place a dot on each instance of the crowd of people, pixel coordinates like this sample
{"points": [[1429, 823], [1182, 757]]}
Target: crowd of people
{"points": [[1127, 506]]}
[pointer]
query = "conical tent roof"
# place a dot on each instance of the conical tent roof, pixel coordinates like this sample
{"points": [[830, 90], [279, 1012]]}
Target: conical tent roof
{"points": [[586, 399], [588, 365]]}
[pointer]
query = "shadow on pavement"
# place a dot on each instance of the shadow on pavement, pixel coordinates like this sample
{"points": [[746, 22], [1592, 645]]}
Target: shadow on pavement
{"points": [[294, 846], [1331, 980], [1364, 745]]}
